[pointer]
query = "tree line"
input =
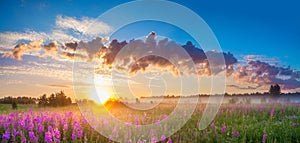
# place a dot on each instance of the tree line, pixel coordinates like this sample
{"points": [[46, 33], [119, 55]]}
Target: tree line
{"points": [[274, 91], [54, 100], [19, 100]]}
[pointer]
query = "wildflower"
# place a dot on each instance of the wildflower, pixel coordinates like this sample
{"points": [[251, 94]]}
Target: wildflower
{"points": [[272, 112], [56, 133], [164, 116], [154, 139], [157, 122], [295, 124], [237, 134], [22, 124], [163, 138], [30, 126], [169, 141], [32, 136], [198, 124], [6, 136], [223, 128], [48, 137], [74, 136], [65, 126], [79, 133], [50, 128], [213, 125], [40, 128], [264, 137]]}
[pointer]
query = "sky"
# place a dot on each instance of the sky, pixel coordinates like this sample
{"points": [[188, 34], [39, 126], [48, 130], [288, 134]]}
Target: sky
{"points": [[252, 31]]}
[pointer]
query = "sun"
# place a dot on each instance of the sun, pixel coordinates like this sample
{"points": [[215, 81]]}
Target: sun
{"points": [[102, 95]]}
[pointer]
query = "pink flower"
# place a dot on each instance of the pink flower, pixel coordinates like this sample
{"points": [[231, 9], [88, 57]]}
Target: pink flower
{"points": [[80, 133], [264, 137], [223, 128], [213, 125], [272, 112], [169, 141]]}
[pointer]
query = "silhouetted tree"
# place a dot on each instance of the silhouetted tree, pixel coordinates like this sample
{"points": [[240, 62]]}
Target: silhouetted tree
{"points": [[275, 90], [14, 105], [137, 100], [43, 101], [55, 100]]}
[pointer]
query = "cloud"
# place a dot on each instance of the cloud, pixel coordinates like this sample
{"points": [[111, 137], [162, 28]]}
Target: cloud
{"points": [[71, 45], [72, 56], [91, 47], [51, 48], [85, 25], [21, 49], [169, 58], [239, 87], [10, 39], [262, 73], [59, 86], [66, 29], [253, 57]]}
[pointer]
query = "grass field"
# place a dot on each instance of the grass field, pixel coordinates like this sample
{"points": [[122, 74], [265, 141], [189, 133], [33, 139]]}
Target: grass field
{"points": [[233, 123]]}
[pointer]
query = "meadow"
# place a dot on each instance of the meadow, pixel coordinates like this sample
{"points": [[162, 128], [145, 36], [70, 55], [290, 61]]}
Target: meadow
{"points": [[234, 123]]}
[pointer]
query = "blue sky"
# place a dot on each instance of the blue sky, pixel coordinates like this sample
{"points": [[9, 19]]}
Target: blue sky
{"points": [[257, 30]]}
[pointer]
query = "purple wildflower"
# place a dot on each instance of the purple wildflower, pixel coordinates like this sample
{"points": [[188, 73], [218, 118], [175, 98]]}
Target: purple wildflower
{"points": [[237, 134], [154, 139], [32, 136], [80, 133], [50, 128], [169, 141], [164, 116], [264, 137], [40, 128], [163, 138], [56, 133], [198, 124], [48, 137], [272, 112], [74, 136], [295, 124], [6, 136], [157, 122], [22, 124], [65, 126], [223, 128], [213, 125]]}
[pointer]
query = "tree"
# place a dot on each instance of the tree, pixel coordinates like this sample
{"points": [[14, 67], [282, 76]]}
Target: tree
{"points": [[55, 100], [14, 105], [275, 90], [43, 101], [137, 100]]}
